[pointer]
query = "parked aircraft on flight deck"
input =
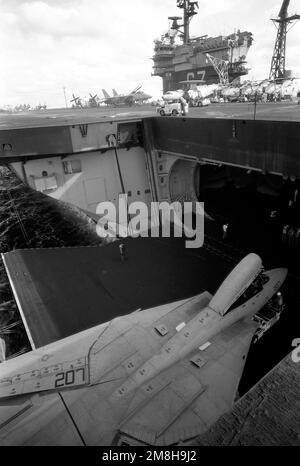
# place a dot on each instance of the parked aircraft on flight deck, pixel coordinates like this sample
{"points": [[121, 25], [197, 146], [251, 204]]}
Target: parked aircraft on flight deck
{"points": [[136, 96], [76, 101]]}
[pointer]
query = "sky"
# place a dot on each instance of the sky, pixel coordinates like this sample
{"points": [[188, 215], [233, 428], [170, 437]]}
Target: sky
{"points": [[88, 45]]}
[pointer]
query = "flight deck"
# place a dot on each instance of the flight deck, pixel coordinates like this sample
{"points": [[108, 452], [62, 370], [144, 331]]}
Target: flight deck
{"points": [[280, 111]]}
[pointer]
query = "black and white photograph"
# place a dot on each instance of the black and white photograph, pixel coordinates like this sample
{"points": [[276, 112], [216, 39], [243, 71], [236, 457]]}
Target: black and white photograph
{"points": [[150, 226]]}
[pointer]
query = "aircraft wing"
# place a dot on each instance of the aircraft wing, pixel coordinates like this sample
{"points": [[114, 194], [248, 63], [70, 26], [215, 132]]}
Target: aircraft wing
{"points": [[136, 89], [190, 396], [181, 402], [176, 405], [151, 376], [39, 421]]}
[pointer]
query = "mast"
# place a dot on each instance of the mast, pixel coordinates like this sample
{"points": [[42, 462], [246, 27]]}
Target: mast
{"points": [[278, 60], [189, 10], [186, 23]]}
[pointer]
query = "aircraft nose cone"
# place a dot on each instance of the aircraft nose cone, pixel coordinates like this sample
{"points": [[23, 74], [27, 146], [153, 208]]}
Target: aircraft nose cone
{"points": [[279, 275], [283, 273]]}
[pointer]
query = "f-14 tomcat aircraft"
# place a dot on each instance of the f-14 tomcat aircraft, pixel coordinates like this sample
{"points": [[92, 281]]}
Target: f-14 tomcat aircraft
{"points": [[157, 377], [136, 96]]}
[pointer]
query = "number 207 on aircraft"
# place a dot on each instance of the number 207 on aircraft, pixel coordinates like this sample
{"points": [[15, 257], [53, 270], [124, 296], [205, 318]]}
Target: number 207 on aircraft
{"points": [[70, 377]]}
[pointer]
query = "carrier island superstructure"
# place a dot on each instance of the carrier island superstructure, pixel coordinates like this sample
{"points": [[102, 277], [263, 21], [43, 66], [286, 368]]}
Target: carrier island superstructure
{"points": [[179, 57]]}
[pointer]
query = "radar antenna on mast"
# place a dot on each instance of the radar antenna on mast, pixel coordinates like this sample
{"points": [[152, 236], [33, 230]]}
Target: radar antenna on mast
{"points": [[278, 70], [189, 10]]}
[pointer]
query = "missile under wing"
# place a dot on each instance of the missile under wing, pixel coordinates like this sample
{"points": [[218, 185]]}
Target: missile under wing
{"points": [[158, 376]]}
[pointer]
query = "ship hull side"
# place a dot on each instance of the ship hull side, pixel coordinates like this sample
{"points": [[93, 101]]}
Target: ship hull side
{"points": [[173, 80]]}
